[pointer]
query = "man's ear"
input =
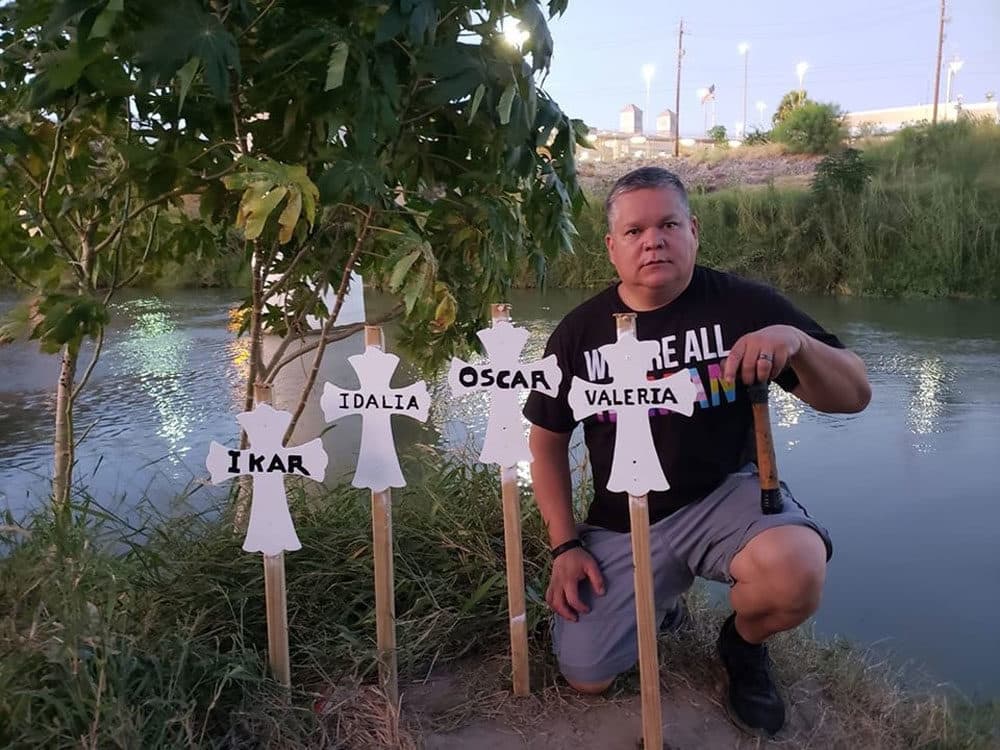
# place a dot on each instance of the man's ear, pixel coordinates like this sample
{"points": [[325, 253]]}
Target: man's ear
{"points": [[609, 243], [695, 228]]}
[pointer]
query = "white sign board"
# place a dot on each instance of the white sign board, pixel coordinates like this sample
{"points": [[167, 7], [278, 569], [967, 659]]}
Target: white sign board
{"points": [[270, 529], [376, 401], [503, 376], [635, 467]]}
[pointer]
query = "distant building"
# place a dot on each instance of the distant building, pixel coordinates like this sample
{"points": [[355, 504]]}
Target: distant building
{"points": [[666, 123], [895, 118], [630, 119]]}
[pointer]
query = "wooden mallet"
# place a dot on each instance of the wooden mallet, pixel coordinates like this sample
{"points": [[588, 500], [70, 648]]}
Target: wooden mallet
{"points": [[770, 489]]}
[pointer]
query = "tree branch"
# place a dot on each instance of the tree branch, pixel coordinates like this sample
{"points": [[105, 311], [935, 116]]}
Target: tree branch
{"points": [[15, 274], [145, 253], [98, 345], [339, 333], [254, 22], [120, 226], [290, 326], [328, 324]]}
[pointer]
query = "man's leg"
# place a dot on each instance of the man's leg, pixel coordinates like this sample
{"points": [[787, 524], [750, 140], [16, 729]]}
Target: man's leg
{"points": [[779, 577], [776, 565], [601, 644]]}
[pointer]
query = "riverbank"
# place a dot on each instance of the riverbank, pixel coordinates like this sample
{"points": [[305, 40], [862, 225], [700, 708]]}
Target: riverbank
{"points": [[915, 215], [151, 637]]}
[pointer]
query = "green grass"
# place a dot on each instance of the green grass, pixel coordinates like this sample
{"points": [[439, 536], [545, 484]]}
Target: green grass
{"points": [[116, 637], [927, 224]]}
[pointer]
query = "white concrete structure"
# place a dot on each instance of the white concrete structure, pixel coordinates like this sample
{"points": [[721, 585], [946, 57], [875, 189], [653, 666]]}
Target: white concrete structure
{"points": [[666, 123], [895, 118], [630, 119]]}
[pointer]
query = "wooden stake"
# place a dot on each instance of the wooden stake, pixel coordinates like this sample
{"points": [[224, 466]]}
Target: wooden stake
{"points": [[275, 593], [645, 601], [767, 465], [511, 498], [385, 590], [276, 598]]}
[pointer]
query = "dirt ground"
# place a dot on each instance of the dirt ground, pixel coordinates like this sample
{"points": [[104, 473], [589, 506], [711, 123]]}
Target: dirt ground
{"points": [[473, 708]]}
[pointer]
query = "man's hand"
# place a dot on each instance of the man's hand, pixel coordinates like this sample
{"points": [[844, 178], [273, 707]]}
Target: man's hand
{"points": [[563, 595], [761, 355]]}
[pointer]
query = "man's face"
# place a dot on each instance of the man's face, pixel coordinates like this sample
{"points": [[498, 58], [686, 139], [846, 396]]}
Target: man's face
{"points": [[652, 242]]}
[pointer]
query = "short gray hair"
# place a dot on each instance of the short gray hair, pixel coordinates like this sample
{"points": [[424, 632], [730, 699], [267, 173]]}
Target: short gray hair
{"points": [[645, 178]]}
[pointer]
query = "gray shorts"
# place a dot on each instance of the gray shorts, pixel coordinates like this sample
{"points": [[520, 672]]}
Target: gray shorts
{"points": [[700, 539]]}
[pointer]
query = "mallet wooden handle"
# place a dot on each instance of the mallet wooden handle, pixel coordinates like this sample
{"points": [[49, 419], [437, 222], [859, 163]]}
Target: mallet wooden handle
{"points": [[770, 490]]}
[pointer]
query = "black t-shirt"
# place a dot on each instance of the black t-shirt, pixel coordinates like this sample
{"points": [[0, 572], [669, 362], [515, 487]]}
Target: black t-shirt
{"points": [[695, 332]]}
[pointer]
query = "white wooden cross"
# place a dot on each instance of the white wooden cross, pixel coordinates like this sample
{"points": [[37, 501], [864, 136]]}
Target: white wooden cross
{"points": [[376, 401], [635, 466], [270, 529], [503, 376]]}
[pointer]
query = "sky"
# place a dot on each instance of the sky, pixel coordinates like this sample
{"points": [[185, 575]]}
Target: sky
{"points": [[862, 54]]}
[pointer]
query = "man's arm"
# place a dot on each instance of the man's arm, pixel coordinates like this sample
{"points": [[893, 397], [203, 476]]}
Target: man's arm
{"points": [[550, 477], [830, 379]]}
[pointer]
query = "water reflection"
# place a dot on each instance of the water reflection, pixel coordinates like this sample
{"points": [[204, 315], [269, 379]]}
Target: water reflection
{"points": [[787, 408], [926, 403], [154, 355]]}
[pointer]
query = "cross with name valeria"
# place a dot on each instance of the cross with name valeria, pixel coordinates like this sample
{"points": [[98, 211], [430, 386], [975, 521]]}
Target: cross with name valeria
{"points": [[635, 466], [376, 401], [503, 376], [270, 529]]}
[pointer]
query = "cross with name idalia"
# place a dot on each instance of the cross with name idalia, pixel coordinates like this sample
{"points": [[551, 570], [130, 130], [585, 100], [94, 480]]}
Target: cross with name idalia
{"points": [[376, 401]]}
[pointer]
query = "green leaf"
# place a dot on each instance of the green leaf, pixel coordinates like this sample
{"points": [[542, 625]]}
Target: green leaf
{"points": [[477, 99], [290, 216], [401, 268], [105, 21], [261, 209], [506, 100], [183, 30], [186, 75], [335, 69]]}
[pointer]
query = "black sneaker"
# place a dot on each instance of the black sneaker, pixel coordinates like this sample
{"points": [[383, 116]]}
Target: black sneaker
{"points": [[753, 696]]}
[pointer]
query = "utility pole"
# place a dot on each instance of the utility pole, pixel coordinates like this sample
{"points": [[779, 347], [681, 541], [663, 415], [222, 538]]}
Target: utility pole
{"points": [[677, 99], [937, 68]]}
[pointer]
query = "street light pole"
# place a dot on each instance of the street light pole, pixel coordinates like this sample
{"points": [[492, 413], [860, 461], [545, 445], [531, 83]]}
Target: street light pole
{"points": [[800, 70], [677, 94], [953, 67], [744, 49], [760, 113], [647, 73]]}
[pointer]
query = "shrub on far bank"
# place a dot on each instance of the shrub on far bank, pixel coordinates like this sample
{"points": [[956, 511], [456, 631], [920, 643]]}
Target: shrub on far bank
{"points": [[811, 129]]}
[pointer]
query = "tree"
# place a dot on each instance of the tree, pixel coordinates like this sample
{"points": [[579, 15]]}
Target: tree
{"points": [[418, 150], [89, 196], [406, 140], [789, 102], [812, 128], [718, 134]]}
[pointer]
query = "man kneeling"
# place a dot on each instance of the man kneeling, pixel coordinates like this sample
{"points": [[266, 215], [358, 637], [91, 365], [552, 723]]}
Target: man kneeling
{"points": [[727, 332]]}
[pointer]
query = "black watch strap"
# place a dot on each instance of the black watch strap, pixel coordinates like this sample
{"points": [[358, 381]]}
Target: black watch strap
{"points": [[566, 547]]}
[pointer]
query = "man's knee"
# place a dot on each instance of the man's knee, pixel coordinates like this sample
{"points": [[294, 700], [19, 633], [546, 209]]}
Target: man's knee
{"points": [[789, 562], [589, 688]]}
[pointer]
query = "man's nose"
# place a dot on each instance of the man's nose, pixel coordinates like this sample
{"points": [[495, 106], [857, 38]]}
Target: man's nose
{"points": [[654, 238]]}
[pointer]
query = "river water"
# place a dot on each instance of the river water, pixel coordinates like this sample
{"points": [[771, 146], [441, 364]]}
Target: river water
{"points": [[907, 488]]}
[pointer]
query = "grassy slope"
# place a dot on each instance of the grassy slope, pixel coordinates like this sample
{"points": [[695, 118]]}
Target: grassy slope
{"points": [[159, 645]]}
